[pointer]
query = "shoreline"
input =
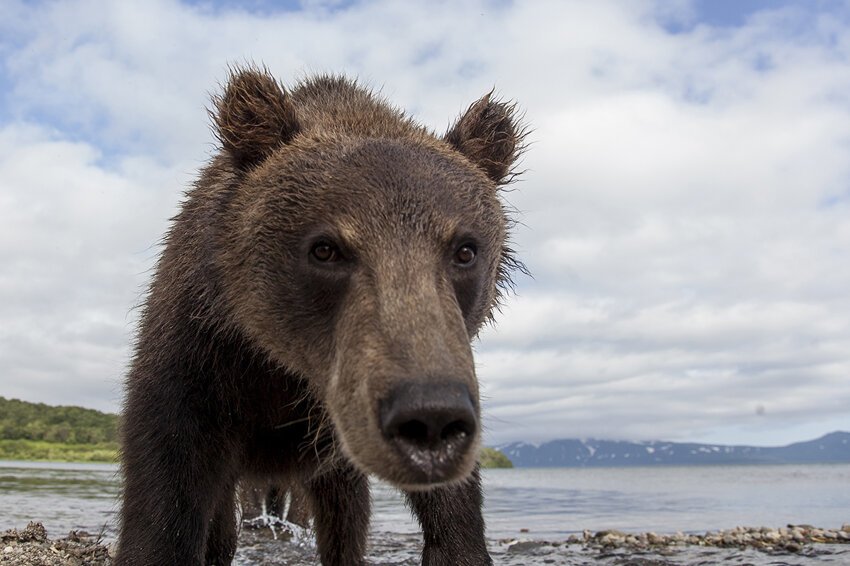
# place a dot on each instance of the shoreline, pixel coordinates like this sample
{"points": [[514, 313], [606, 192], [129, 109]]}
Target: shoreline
{"points": [[32, 545], [791, 538]]}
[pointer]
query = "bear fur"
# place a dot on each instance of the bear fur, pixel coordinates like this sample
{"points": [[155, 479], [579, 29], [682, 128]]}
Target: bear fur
{"points": [[311, 317]]}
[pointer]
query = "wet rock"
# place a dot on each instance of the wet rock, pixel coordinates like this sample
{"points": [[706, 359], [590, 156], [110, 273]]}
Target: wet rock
{"points": [[793, 547], [610, 538], [34, 532], [613, 533], [524, 545]]}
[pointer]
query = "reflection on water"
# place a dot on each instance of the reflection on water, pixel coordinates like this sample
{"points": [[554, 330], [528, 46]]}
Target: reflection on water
{"points": [[552, 503], [548, 503], [62, 496]]}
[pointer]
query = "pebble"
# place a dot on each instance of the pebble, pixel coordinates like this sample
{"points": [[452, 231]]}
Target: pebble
{"points": [[525, 545]]}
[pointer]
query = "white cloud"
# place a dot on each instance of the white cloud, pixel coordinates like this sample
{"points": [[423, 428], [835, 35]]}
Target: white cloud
{"points": [[75, 244], [685, 213]]}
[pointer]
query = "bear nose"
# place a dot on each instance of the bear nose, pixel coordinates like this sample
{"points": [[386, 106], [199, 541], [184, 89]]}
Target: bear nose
{"points": [[433, 424]]}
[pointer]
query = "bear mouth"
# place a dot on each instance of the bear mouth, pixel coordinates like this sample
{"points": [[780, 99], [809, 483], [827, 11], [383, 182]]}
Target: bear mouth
{"points": [[429, 465], [432, 428]]}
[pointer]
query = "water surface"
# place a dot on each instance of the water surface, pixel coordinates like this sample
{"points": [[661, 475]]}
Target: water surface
{"points": [[547, 504]]}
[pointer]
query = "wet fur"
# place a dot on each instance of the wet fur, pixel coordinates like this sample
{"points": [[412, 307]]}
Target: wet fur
{"points": [[248, 361]]}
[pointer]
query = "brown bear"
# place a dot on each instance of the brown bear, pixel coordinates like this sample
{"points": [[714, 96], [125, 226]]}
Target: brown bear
{"points": [[311, 315]]}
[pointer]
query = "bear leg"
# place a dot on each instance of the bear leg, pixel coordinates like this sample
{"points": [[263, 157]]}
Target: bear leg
{"points": [[340, 501], [221, 539], [276, 500], [175, 472], [452, 524], [299, 510]]}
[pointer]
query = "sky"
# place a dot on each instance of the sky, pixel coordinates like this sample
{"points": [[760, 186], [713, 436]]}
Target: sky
{"points": [[684, 211]]}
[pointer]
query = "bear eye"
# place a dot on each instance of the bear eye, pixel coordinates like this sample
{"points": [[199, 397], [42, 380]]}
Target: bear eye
{"points": [[324, 251], [465, 255]]}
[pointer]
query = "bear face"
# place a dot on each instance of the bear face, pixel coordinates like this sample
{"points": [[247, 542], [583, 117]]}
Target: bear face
{"points": [[311, 317], [363, 254]]}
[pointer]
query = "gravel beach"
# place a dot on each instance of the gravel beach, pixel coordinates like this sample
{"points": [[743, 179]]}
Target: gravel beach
{"points": [[31, 545]]}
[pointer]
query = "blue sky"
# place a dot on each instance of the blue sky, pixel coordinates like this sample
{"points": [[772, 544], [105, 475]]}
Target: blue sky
{"points": [[684, 214], [737, 12]]}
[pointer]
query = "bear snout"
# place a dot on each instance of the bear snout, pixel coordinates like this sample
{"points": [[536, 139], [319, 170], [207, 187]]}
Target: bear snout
{"points": [[432, 425]]}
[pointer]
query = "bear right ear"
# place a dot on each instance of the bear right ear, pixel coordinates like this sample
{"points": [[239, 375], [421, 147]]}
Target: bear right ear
{"points": [[489, 135], [253, 116]]}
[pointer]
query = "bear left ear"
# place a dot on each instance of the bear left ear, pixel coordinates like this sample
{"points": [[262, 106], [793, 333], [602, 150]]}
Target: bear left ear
{"points": [[253, 116], [490, 136]]}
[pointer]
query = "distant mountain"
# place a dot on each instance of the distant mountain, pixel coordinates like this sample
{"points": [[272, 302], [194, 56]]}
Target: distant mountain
{"points": [[573, 453]]}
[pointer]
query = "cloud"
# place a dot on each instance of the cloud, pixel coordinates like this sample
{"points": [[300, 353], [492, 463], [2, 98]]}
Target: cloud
{"points": [[76, 247], [684, 214]]}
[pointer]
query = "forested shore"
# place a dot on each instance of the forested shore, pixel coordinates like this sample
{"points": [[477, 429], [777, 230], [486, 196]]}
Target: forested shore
{"points": [[35, 431], [39, 432]]}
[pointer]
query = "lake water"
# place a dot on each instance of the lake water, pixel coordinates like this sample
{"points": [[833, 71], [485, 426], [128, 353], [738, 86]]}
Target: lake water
{"points": [[549, 503]]}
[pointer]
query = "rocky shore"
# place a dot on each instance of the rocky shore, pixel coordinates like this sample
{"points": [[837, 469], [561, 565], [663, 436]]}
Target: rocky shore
{"points": [[31, 545], [792, 538]]}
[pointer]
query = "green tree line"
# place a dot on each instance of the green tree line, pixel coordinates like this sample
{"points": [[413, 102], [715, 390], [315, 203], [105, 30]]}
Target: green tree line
{"points": [[492, 458], [21, 420]]}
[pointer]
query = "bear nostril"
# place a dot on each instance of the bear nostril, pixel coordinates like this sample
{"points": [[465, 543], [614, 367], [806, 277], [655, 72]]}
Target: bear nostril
{"points": [[414, 431], [429, 433], [456, 429]]}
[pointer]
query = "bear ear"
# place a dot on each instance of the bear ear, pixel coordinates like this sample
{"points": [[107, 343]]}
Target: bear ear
{"points": [[490, 136], [253, 116]]}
